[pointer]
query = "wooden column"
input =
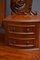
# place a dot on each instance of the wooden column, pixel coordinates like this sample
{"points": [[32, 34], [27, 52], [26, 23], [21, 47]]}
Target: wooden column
{"points": [[2, 10]]}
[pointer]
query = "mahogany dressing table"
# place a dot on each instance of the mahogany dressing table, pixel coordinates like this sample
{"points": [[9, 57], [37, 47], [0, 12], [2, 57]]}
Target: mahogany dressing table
{"points": [[22, 32]]}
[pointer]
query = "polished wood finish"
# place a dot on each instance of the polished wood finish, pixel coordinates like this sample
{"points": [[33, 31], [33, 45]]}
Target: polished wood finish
{"points": [[2, 10], [22, 31], [21, 38], [8, 53]]}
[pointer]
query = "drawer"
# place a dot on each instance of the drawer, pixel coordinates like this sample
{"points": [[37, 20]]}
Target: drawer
{"points": [[24, 43], [20, 23], [21, 29], [21, 35]]}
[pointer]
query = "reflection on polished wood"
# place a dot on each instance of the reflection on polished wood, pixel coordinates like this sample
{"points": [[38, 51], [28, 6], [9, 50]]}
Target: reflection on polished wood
{"points": [[8, 53], [15, 38]]}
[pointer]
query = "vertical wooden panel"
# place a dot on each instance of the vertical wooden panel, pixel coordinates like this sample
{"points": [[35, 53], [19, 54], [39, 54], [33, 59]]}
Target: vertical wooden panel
{"points": [[2, 10]]}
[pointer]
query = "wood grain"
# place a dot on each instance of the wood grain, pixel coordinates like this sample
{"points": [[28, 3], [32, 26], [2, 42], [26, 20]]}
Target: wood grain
{"points": [[18, 54]]}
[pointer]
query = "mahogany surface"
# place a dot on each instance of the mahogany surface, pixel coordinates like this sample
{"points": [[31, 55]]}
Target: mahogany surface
{"points": [[20, 43], [22, 31], [8, 53], [2, 10]]}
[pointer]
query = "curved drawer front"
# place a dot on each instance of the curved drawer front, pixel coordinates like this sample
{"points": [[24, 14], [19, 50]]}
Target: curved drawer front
{"points": [[22, 34], [20, 42], [21, 29], [21, 23]]}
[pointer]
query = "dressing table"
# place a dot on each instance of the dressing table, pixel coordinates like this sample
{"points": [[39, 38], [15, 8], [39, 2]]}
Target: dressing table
{"points": [[22, 36]]}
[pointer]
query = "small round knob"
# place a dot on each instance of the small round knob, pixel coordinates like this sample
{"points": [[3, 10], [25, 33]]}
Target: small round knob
{"points": [[28, 29], [27, 42], [14, 41]]}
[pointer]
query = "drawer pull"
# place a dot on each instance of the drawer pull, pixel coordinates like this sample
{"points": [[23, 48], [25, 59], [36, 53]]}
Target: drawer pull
{"points": [[14, 41], [28, 42], [28, 29]]}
